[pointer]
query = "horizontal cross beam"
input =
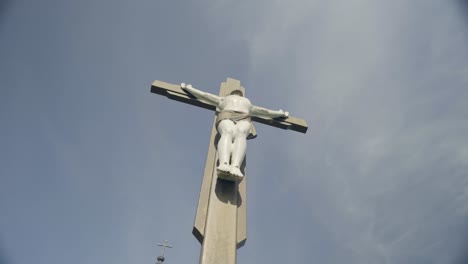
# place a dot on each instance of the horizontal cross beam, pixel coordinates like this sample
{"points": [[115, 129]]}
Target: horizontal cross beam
{"points": [[174, 92]]}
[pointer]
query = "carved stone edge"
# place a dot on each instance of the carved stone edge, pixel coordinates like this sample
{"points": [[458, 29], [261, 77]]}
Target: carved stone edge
{"points": [[202, 208]]}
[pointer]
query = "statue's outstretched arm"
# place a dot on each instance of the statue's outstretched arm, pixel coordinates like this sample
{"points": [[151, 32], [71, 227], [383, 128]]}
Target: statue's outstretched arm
{"points": [[263, 112], [205, 97]]}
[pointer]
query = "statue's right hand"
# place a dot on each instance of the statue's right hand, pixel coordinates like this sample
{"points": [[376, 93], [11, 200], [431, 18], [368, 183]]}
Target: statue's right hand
{"points": [[185, 86]]}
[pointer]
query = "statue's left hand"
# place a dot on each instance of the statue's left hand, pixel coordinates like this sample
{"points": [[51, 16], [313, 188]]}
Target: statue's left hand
{"points": [[285, 114]]}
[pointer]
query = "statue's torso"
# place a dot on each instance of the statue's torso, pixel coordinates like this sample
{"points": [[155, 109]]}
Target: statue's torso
{"points": [[236, 103]]}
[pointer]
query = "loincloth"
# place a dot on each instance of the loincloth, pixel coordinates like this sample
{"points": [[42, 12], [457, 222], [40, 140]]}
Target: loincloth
{"points": [[233, 116], [236, 117]]}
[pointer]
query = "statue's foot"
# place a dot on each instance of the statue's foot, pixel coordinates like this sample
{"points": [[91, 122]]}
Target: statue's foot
{"points": [[224, 168], [235, 171], [225, 173]]}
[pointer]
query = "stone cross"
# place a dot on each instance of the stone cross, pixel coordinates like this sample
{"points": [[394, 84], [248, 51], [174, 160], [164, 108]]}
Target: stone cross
{"points": [[220, 221], [164, 246]]}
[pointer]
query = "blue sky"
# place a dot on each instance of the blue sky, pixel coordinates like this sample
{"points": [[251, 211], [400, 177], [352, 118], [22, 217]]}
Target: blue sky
{"points": [[96, 169]]}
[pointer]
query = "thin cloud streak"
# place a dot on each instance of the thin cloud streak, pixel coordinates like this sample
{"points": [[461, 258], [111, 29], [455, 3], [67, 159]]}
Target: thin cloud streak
{"points": [[380, 177], [385, 98]]}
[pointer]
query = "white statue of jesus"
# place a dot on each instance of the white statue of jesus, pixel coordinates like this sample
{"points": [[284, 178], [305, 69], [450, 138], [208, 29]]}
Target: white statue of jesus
{"points": [[233, 124]]}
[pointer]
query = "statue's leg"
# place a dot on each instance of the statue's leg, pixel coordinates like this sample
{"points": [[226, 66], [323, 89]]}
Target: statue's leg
{"points": [[226, 129], [239, 146]]}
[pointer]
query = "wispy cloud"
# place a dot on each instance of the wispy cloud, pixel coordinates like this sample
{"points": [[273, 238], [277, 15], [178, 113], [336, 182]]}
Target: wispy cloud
{"points": [[383, 86]]}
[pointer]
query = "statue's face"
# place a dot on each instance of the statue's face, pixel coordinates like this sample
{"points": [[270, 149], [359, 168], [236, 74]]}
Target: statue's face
{"points": [[237, 92]]}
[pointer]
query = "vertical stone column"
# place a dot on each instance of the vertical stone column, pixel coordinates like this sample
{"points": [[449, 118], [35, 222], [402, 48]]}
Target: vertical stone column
{"points": [[220, 223]]}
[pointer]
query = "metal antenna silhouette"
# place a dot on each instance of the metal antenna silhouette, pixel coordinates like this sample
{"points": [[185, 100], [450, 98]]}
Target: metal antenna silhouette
{"points": [[164, 246]]}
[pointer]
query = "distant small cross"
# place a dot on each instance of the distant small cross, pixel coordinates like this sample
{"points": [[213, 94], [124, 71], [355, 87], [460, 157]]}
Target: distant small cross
{"points": [[164, 246]]}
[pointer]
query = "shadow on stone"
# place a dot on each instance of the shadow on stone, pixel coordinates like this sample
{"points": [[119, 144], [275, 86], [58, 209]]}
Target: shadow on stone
{"points": [[227, 192]]}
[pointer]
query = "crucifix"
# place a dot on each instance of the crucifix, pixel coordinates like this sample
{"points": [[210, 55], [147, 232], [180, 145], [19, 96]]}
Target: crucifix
{"points": [[220, 221], [164, 246]]}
